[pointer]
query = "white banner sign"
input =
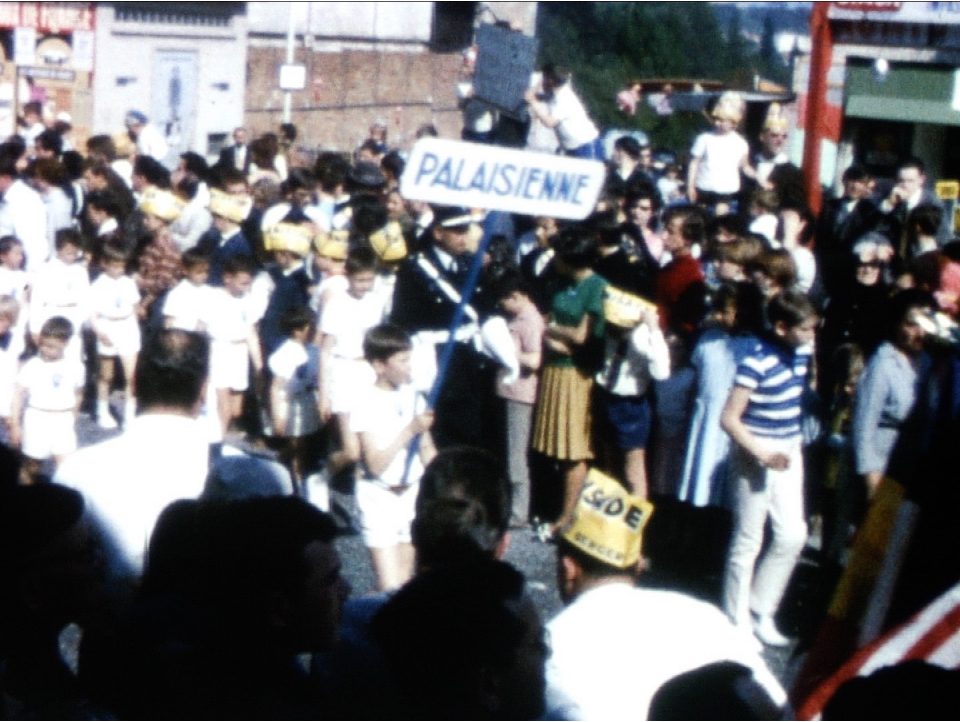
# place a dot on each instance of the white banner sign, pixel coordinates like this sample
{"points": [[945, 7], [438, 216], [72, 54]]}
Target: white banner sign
{"points": [[475, 175], [24, 46]]}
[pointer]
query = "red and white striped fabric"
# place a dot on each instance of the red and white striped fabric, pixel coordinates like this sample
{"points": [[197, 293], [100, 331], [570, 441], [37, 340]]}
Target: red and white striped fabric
{"points": [[933, 635]]}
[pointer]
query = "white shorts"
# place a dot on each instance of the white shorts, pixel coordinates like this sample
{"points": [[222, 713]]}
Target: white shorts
{"points": [[48, 433], [385, 516], [347, 377], [229, 365], [124, 338]]}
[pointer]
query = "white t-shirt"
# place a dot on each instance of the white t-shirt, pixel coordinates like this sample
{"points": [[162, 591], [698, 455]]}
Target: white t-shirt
{"points": [[229, 318], [644, 637], [52, 385], [188, 305], [383, 414], [284, 363], [59, 289], [113, 299], [14, 283], [720, 158], [348, 319], [574, 127]]}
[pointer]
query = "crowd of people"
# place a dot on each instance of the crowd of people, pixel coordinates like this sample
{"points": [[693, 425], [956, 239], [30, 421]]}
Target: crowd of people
{"points": [[265, 325]]}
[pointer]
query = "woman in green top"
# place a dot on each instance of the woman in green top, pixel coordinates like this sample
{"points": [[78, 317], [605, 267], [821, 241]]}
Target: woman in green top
{"points": [[574, 351]]}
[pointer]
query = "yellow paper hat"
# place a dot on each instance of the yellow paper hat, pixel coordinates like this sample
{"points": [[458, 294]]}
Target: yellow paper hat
{"points": [[161, 203], [775, 119], [624, 309], [389, 243], [234, 208], [608, 522], [332, 244], [287, 237]]}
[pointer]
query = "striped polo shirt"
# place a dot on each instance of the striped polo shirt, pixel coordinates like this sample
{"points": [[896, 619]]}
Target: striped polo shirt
{"points": [[776, 376]]}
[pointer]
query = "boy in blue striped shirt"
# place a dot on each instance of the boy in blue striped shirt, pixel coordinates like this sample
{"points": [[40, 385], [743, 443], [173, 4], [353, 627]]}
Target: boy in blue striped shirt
{"points": [[762, 416]]}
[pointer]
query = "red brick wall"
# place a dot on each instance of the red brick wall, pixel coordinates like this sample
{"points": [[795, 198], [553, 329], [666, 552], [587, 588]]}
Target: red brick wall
{"points": [[347, 90]]}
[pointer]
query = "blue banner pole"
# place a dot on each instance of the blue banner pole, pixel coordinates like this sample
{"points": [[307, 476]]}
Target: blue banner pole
{"points": [[466, 293]]}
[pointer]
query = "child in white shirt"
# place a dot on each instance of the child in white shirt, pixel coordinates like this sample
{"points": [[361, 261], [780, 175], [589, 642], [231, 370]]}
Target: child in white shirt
{"points": [[114, 299], [344, 321], [387, 419], [294, 403], [189, 300], [46, 400], [233, 339], [61, 287], [11, 347], [14, 281]]}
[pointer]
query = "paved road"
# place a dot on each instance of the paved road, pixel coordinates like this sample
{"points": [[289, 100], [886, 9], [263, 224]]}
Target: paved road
{"points": [[532, 557]]}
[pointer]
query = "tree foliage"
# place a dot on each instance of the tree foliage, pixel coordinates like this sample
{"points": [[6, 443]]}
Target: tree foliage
{"points": [[607, 44]]}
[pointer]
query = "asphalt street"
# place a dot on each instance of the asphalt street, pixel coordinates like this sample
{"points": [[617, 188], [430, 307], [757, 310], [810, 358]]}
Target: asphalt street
{"points": [[536, 560]]}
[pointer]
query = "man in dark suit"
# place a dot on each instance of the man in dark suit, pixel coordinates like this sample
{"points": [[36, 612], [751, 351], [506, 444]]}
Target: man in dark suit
{"points": [[842, 222], [236, 155], [428, 288], [907, 193]]}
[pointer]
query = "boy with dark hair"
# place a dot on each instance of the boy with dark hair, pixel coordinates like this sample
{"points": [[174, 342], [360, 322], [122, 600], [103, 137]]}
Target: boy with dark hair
{"points": [[46, 400], [680, 286], [114, 300], [186, 304], [294, 406], [61, 287], [762, 417], [387, 419]]}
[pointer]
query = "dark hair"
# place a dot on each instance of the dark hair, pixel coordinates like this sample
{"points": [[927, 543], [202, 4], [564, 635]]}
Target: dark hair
{"points": [[8, 163], [557, 74], [34, 107], [298, 179], [914, 689], [49, 170], [50, 140], [151, 169], [188, 186], [296, 319], [778, 265], [113, 251], [576, 247], [640, 192], [63, 236], [508, 282], [331, 170], [72, 164], [463, 507], [194, 258], [217, 554], [393, 163], [57, 327], [8, 242], [30, 518], [901, 303], [227, 175], [855, 173], [101, 148], [718, 691], [288, 131], [447, 628], [369, 215], [629, 145], [371, 145], [383, 341], [106, 201], [232, 265], [171, 369], [913, 162], [926, 218], [789, 307], [427, 130], [195, 163], [360, 259], [693, 228]]}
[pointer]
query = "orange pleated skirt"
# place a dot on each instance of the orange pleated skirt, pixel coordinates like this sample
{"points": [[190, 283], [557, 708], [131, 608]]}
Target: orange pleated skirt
{"points": [[563, 420]]}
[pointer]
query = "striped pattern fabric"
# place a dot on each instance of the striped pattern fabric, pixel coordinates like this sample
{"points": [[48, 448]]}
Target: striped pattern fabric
{"points": [[776, 376], [933, 636]]}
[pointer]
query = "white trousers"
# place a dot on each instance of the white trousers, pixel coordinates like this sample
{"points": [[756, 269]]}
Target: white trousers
{"points": [[760, 493]]}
